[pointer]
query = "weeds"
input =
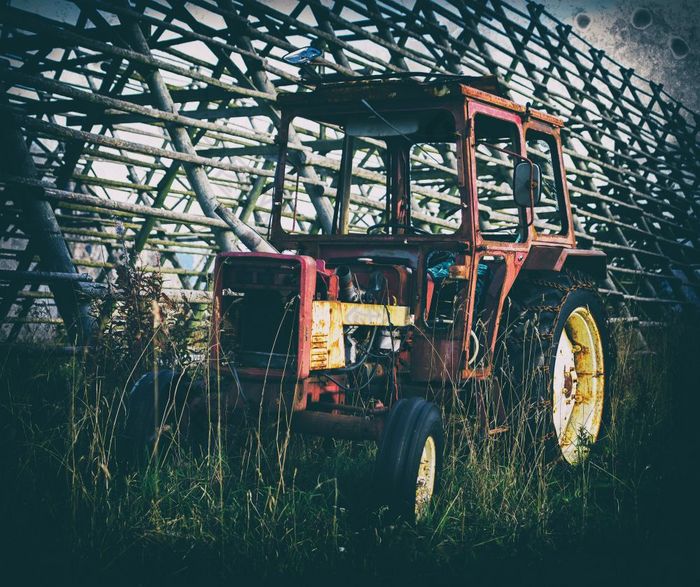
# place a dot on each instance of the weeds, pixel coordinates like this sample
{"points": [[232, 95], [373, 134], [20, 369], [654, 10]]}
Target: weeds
{"points": [[256, 503]]}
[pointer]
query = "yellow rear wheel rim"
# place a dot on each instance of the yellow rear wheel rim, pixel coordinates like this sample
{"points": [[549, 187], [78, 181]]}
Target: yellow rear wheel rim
{"points": [[578, 385]]}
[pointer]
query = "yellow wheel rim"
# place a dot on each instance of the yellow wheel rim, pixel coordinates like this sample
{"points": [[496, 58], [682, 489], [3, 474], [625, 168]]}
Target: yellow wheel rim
{"points": [[425, 483], [578, 385]]}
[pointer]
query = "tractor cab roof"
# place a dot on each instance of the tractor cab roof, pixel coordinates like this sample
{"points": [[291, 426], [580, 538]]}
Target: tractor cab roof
{"points": [[381, 91]]}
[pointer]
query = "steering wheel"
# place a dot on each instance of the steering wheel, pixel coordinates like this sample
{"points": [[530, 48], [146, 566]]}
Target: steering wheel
{"points": [[375, 227], [409, 229], [417, 230]]}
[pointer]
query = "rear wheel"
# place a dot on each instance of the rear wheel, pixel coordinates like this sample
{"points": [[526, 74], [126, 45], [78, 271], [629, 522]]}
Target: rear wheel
{"points": [[409, 461], [557, 345], [578, 384]]}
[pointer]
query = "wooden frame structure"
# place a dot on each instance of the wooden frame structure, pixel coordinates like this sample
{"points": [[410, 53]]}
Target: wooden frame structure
{"points": [[151, 126]]}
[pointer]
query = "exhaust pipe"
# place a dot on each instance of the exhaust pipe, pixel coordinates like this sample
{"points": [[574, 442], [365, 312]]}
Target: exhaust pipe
{"points": [[348, 292]]}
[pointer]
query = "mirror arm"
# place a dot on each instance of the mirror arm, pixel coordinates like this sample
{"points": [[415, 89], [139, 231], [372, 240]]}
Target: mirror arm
{"points": [[506, 151]]}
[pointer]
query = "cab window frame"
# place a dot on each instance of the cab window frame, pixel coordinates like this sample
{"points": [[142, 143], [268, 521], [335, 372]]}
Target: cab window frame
{"points": [[481, 110], [559, 175], [280, 236]]}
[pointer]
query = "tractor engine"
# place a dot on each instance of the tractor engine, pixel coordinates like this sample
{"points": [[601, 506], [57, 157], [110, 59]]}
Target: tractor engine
{"points": [[320, 331]]}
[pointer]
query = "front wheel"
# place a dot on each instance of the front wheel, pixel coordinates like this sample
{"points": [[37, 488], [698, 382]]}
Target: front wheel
{"points": [[159, 414], [409, 461]]}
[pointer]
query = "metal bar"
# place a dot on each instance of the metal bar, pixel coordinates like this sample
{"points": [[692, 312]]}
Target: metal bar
{"points": [[337, 425], [41, 224], [42, 276]]}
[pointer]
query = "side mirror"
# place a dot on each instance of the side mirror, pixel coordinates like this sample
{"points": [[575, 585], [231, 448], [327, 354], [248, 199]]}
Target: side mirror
{"points": [[302, 56], [527, 187]]}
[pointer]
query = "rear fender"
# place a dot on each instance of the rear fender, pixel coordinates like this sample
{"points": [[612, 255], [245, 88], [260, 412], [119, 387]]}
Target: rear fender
{"points": [[590, 261]]}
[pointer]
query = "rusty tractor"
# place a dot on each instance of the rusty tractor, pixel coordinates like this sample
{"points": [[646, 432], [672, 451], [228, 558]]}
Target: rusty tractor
{"points": [[424, 230]]}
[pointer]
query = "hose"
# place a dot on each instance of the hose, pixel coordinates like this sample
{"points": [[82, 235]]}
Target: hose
{"points": [[357, 364]]}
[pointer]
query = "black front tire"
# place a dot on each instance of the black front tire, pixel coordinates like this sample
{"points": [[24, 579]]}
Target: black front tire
{"points": [[407, 476]]}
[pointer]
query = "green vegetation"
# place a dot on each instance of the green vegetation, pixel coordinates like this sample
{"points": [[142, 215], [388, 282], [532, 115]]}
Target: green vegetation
{"points": [[255, 503]]}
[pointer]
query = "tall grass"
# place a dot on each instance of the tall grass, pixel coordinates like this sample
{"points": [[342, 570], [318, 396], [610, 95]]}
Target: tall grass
{"points": [[257, 503]]}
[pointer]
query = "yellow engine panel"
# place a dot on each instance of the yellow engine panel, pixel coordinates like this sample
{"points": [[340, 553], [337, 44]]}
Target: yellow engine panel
{"points": [[328, 319]]}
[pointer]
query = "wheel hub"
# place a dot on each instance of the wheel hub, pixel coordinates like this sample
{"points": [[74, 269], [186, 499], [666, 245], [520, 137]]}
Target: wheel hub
{"points": [[570, 381]]}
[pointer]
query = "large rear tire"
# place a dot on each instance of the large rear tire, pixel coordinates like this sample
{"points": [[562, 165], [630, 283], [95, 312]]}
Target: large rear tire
{"points": [[557, 346], [409, 460]]}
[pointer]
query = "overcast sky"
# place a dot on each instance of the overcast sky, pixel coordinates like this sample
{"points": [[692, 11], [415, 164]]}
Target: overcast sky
{"points": [[660, 41]]}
